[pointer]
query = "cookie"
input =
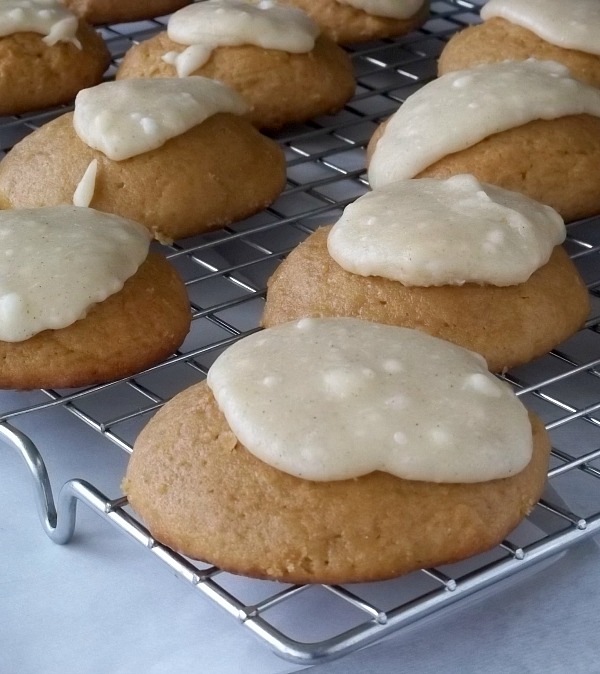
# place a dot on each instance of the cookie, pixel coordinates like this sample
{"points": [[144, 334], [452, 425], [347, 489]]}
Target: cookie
{"points": [[133, 328], [118, 11], [520, 29], [280, 87], [53, 73], [508, 325], [497, 40], [534, 159], [344, 23], [523, 126], [218, 171], [203, 494]]}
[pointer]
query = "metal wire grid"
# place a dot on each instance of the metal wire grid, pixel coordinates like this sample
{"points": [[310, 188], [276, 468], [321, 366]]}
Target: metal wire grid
{"points": [[226, 273]]}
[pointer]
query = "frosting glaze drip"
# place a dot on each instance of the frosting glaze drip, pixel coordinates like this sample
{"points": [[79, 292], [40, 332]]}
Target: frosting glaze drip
{"points": [[207, 25], [333, 399], [56, 262], [393, 9], [459, 109], [84, 192], [571, 24], [428, 232], [129, 117], [46, 17]]}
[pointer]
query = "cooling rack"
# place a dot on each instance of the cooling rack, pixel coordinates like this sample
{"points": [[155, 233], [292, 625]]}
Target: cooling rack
{"points": [[226, 274]]}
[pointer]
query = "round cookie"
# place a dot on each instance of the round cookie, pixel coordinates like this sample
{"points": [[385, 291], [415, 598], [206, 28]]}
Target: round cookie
{"points": [[507, 325], [131, 330], [82, 300], [219, 171], [202, 493], [498, 40], [521, 125], [534, 159], [345, 24], [281, 88], [116, 11], [35, 75]]}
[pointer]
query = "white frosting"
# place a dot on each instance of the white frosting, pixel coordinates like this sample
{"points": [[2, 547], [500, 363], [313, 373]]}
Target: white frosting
{"points": [[129, 117], [459, 109], [84, 192], [206, 25], [393, 9], [571, 24], [56, 262], [331, 399], [47, 17], [431, 232]]}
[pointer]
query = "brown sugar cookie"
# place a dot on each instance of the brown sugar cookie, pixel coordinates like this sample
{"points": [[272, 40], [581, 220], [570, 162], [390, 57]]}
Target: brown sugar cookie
{"points": [[35, 75], [202, 493], [521, 125], [281, 88], [219, 171], [116, 11], [497, 40], [345, 24], [533, 159], [508, 325], [82, 300], [135, 328]]}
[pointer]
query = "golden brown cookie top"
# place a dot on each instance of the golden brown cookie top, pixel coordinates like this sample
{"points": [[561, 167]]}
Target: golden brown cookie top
{"points": [[116, 11], [571, 25], [133, 329], [498, 39], [127, 118], [218, 172], [348, 22], [54, 72], [280, 87], [49, 18], [205, 495], [393, 9], [508, 325], [460, 109], [204, 26], [59, 261]]}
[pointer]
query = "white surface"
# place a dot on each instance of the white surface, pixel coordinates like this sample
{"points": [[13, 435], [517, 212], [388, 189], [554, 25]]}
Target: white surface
{"points": [[102, 605]]}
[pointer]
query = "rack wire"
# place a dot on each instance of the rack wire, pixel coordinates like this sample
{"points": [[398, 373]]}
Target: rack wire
{"points": [[226, 273]]}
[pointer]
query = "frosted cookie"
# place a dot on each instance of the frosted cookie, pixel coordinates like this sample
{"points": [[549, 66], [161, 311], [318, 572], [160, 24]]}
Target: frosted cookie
{"points": [[173, 154], [554, 30], [309, 464], [474, 264], [522, 125], [346, 21], [116, 11], [82, 302], [46, 55], [273, 56]]}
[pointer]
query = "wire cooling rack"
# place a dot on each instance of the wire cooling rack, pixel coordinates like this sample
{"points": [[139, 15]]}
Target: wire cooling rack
{"points": [[226, 274]]}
